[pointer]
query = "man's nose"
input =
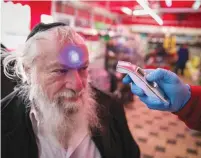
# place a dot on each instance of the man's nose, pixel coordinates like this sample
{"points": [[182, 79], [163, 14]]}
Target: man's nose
{"points": [[76, 81]]}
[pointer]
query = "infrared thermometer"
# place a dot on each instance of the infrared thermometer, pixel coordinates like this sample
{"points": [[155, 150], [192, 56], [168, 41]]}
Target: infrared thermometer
{"points": [[138, 77]]}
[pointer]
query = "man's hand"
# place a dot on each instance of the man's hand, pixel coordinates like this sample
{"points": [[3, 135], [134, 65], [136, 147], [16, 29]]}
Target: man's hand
{"points": [[177, 92]]}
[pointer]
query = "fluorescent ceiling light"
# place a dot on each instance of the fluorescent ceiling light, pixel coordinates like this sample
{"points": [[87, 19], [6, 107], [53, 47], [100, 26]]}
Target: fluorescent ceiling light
{"points": [[150, 12], [168, 3], [140, 12], [126, 10], [196, 4]]}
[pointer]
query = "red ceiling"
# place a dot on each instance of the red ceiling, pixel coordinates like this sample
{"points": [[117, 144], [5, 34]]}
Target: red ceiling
{"points": [[116, 5], [178, 4], [169, 19]]}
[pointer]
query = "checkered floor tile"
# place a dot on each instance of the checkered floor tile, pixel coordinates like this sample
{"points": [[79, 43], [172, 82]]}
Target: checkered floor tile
{"points": [[161, 134]]}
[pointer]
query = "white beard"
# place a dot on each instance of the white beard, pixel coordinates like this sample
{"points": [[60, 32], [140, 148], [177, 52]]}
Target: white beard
{"points": [[59, 120]]}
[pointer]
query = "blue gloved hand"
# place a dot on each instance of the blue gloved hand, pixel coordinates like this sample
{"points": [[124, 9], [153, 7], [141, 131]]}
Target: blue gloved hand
{"points": [[176, 92]]}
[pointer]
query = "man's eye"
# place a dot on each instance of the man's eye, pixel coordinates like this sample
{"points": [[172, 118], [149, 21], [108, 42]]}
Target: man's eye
{"points": [[84, 68], [62, 71]]}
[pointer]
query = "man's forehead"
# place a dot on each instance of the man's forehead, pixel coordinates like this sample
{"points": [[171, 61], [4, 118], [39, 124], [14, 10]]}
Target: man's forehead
{"points": [[72, 55], [56, 64]]}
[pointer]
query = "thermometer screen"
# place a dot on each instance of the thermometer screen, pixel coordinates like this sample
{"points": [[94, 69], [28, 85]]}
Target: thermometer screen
{"points": [[140, 72]]}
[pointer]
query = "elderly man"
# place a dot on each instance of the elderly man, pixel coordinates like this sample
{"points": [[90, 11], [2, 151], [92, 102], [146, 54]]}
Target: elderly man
{"points": [[54, 112]]}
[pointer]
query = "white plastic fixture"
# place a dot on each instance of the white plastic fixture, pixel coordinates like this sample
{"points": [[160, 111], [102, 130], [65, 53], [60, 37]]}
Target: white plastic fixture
{"points": [[140, 12], [196, 5], [150, 12], [44, 18], [126, 10], [168, 3]]}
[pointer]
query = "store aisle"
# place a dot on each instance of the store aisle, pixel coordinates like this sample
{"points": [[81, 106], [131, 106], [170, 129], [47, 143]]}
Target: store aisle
{"points": [[162, 134]]}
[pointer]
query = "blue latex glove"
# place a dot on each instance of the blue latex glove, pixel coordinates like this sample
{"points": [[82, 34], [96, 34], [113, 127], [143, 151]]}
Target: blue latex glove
{"points": [[177, 92]]}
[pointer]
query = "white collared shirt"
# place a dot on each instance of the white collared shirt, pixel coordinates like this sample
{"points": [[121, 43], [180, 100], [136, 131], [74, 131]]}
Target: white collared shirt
{"points": [[81, 144]]}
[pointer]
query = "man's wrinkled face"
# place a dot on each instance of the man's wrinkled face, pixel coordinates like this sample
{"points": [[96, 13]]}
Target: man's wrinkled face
{"points": [[63, 75]]}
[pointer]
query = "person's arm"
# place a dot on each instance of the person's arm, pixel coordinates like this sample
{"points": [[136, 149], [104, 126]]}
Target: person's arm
{"points": [[191, 112], [184, 100]]}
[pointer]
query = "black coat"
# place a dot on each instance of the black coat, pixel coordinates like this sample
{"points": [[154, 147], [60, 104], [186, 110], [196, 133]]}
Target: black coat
{"points": [[18, 139], [7, 85]]}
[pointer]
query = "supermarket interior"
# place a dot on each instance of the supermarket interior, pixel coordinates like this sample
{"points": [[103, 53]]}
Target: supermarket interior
{"points": [[148, 33]]}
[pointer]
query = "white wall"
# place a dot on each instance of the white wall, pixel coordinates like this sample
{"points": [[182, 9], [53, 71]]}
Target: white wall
{"points": [[15, 24]]}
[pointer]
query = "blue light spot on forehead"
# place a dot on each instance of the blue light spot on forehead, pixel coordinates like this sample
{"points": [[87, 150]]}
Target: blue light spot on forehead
{"points": [[72, 56]]}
